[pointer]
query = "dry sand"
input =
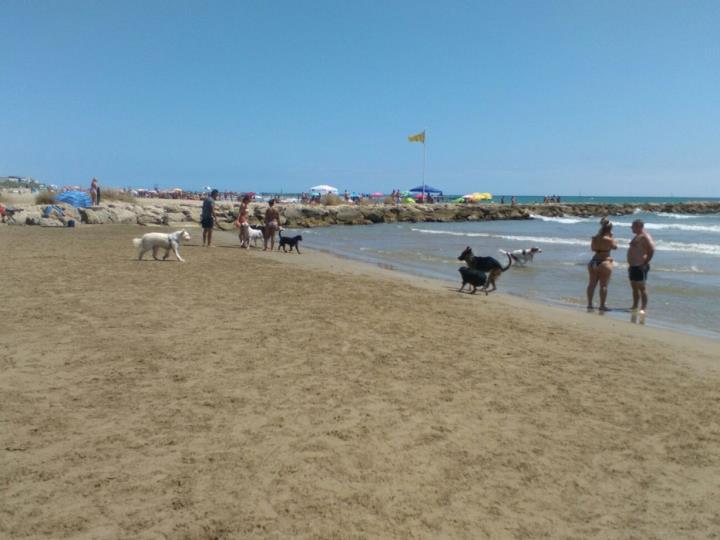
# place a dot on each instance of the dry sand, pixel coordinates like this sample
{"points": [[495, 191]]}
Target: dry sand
{"points": [[250, 394]]}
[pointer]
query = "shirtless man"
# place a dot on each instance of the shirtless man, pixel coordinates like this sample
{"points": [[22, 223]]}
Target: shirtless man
{"points": [[640, 252]]}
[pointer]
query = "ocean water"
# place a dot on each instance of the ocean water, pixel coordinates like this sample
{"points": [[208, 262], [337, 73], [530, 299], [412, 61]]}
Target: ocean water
{"points": [[684, 281]]}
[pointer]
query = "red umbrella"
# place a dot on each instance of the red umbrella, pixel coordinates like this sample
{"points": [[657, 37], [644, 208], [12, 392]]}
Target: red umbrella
{"points": [[377, 195]]}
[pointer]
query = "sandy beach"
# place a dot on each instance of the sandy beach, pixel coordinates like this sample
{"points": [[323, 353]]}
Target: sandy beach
{"points": [[245, 394]]}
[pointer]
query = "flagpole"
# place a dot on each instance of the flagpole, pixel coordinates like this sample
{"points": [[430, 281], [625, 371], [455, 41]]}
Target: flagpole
{"points": [[424, 143]]}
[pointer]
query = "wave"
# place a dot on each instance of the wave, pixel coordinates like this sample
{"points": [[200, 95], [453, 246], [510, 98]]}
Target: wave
{"points": [[565, 220], [706, 249], [675, 227], [660, 245], [693, 269], [678, 216], [715, 229], [536, 239]]}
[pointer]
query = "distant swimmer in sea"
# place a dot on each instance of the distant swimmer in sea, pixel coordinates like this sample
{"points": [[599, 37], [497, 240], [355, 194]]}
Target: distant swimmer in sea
{"points": [[600, 266], [639, 254]]}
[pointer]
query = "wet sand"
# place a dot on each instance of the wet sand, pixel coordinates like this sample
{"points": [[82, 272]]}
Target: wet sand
{"points": [[249, 394]]}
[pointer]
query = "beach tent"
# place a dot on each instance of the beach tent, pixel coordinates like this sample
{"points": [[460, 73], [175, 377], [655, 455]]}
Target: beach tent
{"points": [[324, 189], [428, 189], [79, 199]]}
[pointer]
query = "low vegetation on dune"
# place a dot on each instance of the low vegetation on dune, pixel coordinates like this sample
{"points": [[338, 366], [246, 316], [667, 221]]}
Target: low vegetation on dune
{"points": [[45, 197], [110, 194], [331, 199]]}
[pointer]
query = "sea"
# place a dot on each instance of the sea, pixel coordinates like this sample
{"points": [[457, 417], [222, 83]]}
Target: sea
{"points": [[683, 284]]}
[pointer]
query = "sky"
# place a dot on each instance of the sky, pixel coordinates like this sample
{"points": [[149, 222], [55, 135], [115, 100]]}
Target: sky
{"points": [[516, 97]]}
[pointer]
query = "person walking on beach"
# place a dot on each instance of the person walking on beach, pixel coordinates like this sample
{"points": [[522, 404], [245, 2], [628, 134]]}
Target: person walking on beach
{"points": [[272, 225], [600, 266], [208, 217], [639, 254], [95, 192], [243, 224]]}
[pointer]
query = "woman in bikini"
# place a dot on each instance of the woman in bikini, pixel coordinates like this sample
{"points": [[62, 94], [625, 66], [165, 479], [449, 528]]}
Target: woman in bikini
{"points": [[272, 224], [243, 224], [600, 266]]}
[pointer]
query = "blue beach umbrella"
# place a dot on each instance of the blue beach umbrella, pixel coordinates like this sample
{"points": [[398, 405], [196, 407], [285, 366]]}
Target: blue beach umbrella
{"points": [[428, 189]]}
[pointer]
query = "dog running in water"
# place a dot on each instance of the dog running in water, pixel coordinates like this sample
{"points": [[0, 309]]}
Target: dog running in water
{"points": [[292, 241], [156, 241], [485, 264], [522, 256]]}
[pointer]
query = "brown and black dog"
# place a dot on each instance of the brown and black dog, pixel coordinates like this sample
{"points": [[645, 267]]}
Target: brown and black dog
{"points": [[485, 264]]}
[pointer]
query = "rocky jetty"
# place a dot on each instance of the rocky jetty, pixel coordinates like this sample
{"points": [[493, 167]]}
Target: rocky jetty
{"points": [[187, 213]]}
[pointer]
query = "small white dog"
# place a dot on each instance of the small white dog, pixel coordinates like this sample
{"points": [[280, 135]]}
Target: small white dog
{"points": [[156, 240], [522, 256], [255, 235]]}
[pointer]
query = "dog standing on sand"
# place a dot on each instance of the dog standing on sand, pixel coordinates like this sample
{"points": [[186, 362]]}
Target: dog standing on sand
{"points": [[256, 234], [292, 241], [156, 241], [474, 278], [485, 264]]}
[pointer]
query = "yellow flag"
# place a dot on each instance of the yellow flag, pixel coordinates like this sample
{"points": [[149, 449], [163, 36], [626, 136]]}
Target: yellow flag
{"points": [[420, 137]]}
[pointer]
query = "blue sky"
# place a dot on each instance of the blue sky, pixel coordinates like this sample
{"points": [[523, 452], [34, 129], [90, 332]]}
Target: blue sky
{"points": [[534, 97]]}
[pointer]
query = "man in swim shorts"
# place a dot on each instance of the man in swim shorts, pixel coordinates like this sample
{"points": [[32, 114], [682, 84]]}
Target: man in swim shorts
{"points": [[639, 254]]}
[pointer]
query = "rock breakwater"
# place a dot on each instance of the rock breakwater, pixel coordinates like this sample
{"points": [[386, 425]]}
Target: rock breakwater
{"points": [[187, 213]]}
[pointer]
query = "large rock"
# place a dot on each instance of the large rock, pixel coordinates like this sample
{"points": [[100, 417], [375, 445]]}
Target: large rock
{"points": [[349, 215], [409, 213], [50, 222], [121, 215], [192, 214], [149, 219], [95, 216], [174, 217], [374, 214], [26, 217]]}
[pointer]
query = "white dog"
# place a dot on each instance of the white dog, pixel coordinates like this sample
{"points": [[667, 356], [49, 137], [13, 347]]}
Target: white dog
{"points": [[156, 240], [255, 235], [522, 256]]}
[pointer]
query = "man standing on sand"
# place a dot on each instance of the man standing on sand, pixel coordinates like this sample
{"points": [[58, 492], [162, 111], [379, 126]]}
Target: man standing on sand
{"points": [[208, 217], [639, 254]]}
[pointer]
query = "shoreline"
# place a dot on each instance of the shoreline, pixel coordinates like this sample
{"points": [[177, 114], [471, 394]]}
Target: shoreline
{"points": [[246, 393], [325, 259], [624, 315]]}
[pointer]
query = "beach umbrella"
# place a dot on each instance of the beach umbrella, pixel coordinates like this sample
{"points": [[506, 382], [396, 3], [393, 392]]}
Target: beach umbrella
{"points": [[428, 189], [377, 195], [409, 200], [323, 189]]}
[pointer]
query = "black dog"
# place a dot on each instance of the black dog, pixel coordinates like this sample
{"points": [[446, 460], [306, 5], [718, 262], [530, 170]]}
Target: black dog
{"points": [[292, 241], [485, 264], [476, 278]]}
